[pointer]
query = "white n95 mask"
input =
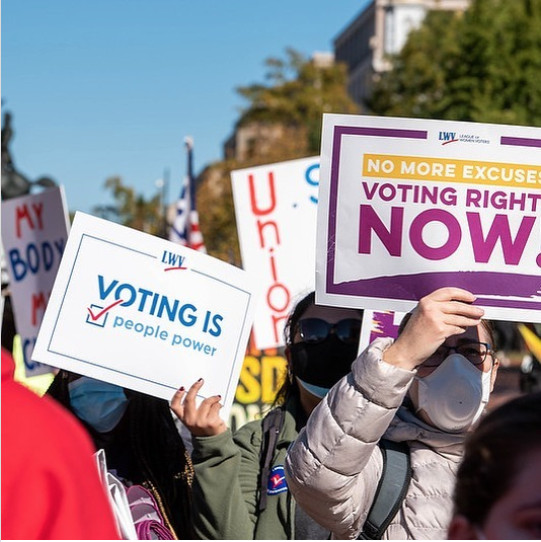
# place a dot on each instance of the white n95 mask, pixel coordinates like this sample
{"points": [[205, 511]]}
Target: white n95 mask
{"points": [[455, 394]]}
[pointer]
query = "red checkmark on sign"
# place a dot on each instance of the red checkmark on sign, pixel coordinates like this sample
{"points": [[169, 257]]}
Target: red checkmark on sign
{"points": [[103, 311]]}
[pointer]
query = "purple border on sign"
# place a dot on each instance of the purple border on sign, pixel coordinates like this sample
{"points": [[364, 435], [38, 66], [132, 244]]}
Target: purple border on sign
{"points": [[520, 141], [412, 287], [340, 131]]}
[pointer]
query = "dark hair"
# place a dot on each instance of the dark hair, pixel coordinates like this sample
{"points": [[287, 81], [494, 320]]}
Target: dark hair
{"points": [[493, 455], [300, 308], [290, 387], [159, 455]]}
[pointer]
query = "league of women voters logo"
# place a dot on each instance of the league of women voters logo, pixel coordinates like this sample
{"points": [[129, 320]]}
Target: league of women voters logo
{"points": [[454, 137]]}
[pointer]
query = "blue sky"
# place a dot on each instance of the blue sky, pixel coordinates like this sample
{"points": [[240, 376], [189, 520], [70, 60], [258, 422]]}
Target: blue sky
{"points": [[111, 87]]}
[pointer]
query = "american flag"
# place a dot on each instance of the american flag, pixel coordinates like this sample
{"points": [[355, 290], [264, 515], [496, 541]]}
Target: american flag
{"points": [[185, 229]]}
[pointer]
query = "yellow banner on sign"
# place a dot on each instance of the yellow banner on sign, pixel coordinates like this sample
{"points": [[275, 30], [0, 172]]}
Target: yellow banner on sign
{"points": [[419, 168]]}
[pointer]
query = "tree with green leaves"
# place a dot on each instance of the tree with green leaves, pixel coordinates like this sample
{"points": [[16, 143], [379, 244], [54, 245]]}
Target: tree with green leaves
{"points": [[482, 66], [298, 93], [289, 105], [131, 209]]}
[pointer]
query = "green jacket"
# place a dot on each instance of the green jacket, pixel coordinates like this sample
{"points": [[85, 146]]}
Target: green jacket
{"points": [[226, 486]]}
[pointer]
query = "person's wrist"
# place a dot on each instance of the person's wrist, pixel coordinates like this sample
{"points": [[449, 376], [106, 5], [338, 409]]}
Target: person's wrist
{"points": [[398, 356]]}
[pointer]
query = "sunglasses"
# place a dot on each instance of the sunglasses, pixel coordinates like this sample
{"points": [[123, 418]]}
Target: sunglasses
{"points": [[316, 330]]}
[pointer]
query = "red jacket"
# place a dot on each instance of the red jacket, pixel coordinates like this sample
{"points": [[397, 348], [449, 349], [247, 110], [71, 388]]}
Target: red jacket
{"points": [[50, 484]]}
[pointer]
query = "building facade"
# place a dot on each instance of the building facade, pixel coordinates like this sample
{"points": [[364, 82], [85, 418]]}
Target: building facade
{"points": [[380, 30]]}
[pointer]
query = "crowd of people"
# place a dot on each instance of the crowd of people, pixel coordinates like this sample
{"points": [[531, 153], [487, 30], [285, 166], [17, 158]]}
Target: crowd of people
{"points": [[393, 442]]}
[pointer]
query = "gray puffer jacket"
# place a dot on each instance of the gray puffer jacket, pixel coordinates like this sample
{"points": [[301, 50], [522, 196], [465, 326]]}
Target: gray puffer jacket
{"points": [[334, 466]]}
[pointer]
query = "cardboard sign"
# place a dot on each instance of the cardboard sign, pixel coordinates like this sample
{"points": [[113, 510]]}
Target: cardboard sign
{"points": [[408, 206], [34, 233], [146, 314], [276, 212]]}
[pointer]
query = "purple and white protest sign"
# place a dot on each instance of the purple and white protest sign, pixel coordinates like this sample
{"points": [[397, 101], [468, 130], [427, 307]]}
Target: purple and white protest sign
{"points": [[378, 324], [408, 206]]}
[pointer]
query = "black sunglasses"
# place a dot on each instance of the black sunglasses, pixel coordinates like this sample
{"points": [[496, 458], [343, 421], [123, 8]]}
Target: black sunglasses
{"points": [[316, 330]]}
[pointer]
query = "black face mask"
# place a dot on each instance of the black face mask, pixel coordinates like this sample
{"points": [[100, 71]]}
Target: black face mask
{"points": [[322, 364]]}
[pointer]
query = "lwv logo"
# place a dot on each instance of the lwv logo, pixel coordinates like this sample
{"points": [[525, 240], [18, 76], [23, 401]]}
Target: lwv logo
{"points": [[175, 261], [447, 137]]}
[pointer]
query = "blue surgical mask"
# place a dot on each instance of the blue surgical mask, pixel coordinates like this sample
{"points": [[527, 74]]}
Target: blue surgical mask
{"points": [[99, 404], [318, 391]]}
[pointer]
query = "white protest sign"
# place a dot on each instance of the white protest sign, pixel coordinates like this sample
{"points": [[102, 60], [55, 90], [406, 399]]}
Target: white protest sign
{"points": [[276, 213], [34, 234], [4, 277], [408, 206], [146, 314], [2, 299]]}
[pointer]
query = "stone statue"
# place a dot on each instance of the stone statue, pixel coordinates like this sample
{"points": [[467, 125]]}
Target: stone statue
{"points": [[14, 183]]}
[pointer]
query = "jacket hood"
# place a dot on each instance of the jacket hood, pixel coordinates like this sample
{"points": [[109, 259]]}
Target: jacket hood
{"points": [[406, 426]]}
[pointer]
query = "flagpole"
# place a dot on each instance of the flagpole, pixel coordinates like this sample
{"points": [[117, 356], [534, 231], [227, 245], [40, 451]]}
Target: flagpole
{"points": [[185, 228], [188, 142], [165, 189]]}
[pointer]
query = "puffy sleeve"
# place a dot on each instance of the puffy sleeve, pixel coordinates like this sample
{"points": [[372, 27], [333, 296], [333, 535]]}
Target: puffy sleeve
{"points": [[226, 483], [334, 465]]}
